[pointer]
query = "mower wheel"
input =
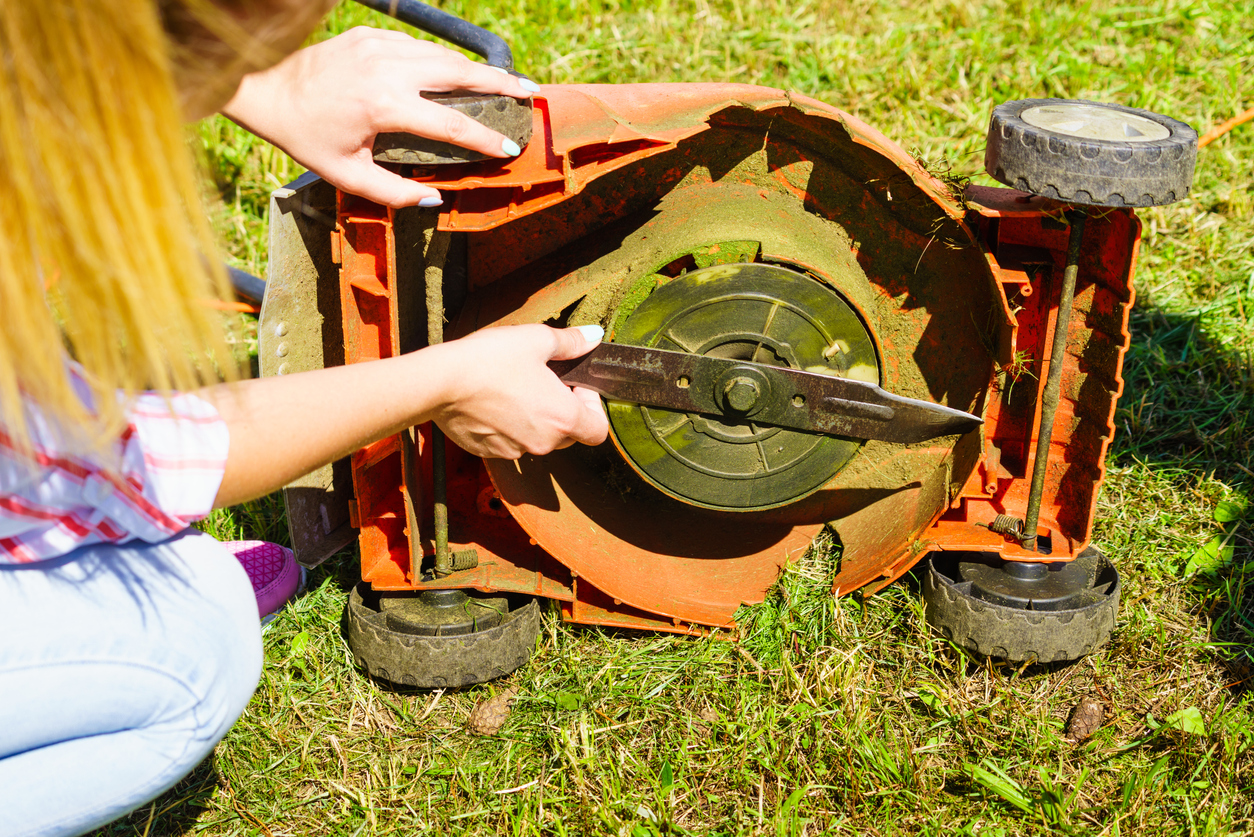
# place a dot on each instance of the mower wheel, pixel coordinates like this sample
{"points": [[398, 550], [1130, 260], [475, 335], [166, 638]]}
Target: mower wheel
{"points": [[503, 114], [1020, 611], [1090, 153], [429, 657]]}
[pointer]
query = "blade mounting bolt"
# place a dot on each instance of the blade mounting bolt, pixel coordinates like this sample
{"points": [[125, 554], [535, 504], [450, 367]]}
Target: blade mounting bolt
{"points": [[741, 394]]}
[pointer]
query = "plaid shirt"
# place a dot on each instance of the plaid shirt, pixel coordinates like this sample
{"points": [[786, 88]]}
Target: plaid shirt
{"points": [[161, 474]]}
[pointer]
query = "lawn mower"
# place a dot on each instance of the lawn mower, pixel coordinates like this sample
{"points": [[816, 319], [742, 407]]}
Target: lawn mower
{"points": [[807, 331]]}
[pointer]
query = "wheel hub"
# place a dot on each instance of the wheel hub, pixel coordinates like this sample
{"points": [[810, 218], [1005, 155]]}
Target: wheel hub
{"points": [[753, 312], [1076, 119], [441, 612], [1034, 586]]}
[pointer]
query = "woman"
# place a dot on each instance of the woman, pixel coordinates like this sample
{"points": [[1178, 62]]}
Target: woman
{"points": [[130, 643]]}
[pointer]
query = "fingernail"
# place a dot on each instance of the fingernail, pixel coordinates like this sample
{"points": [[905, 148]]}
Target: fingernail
{"points": [[592, 333], [529, 85], [499, 69], [434, 200], [510, 147]]}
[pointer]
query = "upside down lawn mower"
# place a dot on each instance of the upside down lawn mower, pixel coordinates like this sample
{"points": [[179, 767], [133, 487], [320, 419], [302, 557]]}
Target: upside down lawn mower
{"points": [[805, 331]]}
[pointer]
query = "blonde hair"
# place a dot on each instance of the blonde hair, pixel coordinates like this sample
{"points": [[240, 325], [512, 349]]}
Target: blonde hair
{"points": [[106, 255]]}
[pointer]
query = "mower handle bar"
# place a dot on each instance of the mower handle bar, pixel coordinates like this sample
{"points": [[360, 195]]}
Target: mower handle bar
{"points": [[246, 286], [451, 28]]}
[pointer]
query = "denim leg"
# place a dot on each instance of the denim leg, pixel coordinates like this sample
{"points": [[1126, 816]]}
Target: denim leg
{"points": [[120, 669]]}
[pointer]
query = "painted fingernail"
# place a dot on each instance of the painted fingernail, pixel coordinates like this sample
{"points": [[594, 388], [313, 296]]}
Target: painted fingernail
{"points": [[529, 85], [592, 333], [510, 147], [434, 200], [499, 69]]}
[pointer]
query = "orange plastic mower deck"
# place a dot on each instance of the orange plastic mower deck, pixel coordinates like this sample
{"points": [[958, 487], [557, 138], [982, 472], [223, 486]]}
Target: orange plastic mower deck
{"points": [[959, 292]]}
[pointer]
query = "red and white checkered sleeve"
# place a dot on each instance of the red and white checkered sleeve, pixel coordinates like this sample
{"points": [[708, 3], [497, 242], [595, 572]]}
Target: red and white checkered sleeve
{"points": [[174, 454]]}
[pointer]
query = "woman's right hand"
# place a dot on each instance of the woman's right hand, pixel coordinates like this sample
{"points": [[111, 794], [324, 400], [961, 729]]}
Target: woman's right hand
{"points": [[502, 399]]}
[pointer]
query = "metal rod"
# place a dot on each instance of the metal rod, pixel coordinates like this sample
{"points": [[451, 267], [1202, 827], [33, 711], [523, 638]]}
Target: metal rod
{"points": [[449, 27], [436, 252], [439, 492], [1053, 383]]}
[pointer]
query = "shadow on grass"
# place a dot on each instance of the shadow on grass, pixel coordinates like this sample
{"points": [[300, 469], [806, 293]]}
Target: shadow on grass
{"points": [[1188, 412], [1188, 400]]}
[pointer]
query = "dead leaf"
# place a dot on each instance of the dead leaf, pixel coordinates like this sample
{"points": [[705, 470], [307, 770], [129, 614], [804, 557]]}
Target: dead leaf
{"points": [[488, 717], [1085, 720], [704, 721]]}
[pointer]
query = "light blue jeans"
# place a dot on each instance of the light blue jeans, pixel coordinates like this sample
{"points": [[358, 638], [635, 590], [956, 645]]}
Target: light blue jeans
{"points": [[120, 669]]}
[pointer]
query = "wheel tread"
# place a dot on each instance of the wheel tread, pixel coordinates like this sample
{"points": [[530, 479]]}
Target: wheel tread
{"points": [[1018, 635], [1087, 171], [435, 662]]}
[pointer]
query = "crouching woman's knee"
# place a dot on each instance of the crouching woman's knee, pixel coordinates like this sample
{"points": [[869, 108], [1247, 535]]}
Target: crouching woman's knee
{"points": [[214, 641]]}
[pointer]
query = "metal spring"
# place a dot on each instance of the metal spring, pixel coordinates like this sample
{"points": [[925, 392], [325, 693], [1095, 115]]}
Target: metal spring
{"points": [[465, 559], [1006, 524]]}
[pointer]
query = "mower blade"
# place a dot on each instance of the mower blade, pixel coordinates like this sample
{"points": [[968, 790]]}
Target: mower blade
{"points": [[738, 391]]}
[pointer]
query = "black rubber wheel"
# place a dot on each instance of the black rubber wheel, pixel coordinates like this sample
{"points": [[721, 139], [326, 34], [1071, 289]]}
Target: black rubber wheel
{"points": [[503, 114], [1090, 153], [1022, 612], [416, 655]]}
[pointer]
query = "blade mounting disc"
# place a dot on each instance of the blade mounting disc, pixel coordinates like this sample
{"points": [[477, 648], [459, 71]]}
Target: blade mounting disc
{"points": [[756, 312]]}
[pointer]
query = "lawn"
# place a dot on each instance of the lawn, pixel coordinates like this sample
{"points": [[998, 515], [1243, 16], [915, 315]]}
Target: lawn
{"points": [[832, 716]]}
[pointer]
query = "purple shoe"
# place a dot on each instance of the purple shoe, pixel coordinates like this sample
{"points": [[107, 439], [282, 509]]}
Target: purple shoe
{"points": [[273, 571]]}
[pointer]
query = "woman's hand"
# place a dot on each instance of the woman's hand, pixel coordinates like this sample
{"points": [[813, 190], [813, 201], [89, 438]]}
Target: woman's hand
{"points": [[325, 104], [503, 401]]}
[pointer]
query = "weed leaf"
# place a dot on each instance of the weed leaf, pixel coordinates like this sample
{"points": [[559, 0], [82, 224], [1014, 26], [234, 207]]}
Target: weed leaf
{"points": [[568, 701], [993, 778], [1212, 557], [1228, 512], [300, 644], [1187, 720], [791, 801], [929, 698]]}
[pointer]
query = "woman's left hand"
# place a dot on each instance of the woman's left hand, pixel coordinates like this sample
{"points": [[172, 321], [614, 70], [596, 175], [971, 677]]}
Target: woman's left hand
{"points": [[325, 104]]}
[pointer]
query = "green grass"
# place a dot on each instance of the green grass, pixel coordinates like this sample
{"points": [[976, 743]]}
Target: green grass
{"points": [[837, 716]]}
